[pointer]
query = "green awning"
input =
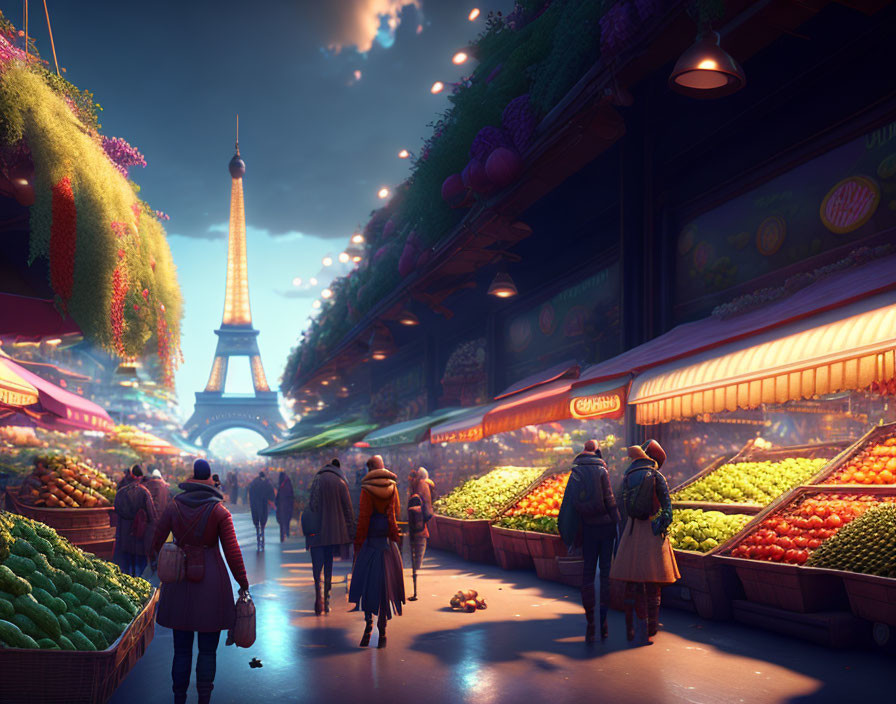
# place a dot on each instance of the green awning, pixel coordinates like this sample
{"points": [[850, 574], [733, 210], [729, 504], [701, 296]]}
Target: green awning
{"points": [[341, 434], [410, 431]]}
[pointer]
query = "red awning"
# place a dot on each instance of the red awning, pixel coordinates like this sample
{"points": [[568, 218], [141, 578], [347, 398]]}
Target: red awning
{"points": [[832, 291], [465, 428], [26, 319], [71, 409], [543, 404], [565, 370]]}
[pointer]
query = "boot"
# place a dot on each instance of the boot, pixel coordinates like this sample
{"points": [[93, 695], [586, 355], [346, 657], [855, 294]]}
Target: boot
{"points": [[204, 690], [604, 630], [262, 539], [258, 545], [629, 606], [588, 604], [318, 598], [653, 609], [381, 629], [368, 628], [642, 637], [642, 634], [327, 585], [414, 597]]}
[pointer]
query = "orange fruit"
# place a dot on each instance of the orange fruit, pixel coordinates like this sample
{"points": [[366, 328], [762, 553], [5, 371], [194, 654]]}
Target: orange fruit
{"points": [[887, 476], [859, 477]]}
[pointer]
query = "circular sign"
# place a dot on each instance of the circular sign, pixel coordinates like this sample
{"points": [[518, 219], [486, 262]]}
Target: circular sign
{"points": [[770, 235], [520, 334], [547, 320], [849, 204]]}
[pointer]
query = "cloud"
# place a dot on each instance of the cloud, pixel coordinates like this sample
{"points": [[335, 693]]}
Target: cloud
{"points": [[298, 292], [220, 231], [360, 23]]}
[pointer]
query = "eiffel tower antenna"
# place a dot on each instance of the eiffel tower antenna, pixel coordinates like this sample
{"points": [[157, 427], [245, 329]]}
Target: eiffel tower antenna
{"points": [[237, 133]]}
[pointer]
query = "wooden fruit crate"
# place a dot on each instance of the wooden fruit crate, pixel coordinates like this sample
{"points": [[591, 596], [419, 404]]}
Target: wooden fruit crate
{"points": [[706, 587], [90, 529], [65, 676], [571, 570], [871, 598], [511, 551], [792, 587], [832, 629], [872, 436], [545, 549], [471, 540]]}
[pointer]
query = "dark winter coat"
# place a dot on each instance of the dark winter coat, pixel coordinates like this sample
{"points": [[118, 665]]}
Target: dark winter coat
{"points": [[329, 497], [286, 498], [129, 499], [424, 508], [588, 484], [662, 503], [160, 491], [260, 492], [207, 605]]}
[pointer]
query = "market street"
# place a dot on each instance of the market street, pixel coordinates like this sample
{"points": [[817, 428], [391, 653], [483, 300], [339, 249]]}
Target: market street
{"points": [[528, 646]]}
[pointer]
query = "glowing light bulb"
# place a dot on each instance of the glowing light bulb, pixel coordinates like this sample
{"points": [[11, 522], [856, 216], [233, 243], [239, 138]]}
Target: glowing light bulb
{"points": [[383, 193], [343, 257], [315, 305], [356, 259], [297, 281], [459, 58], [312, 281], [474, 13], [326, 293], [327, 261], [437, 88], [708, 65], [403, 154], [357, 238]]}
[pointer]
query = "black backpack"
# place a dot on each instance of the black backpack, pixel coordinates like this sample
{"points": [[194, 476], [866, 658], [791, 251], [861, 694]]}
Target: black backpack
{"points": [[638, 499], [586, 502]]}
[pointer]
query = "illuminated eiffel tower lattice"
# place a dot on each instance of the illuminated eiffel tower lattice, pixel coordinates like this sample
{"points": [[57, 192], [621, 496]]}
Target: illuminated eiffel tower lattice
{"points": [[215, 411]]}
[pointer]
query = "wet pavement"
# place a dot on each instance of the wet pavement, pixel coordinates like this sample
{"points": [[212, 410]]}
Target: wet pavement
{"points": [[528, 646]]}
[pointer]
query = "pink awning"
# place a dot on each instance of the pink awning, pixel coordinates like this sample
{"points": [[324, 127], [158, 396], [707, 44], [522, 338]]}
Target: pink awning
{"points": [[830, 292], [26, 319], [565, 370], [72, 410]]}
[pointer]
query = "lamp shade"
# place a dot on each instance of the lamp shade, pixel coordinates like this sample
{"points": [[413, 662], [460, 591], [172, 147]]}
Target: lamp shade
{"points": [[381, 344], [502, 286], [706, 70], [408, 318]]}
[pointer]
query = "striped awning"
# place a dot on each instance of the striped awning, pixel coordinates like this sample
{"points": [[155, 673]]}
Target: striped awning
{"points": [[844, 349], [14, 390]]}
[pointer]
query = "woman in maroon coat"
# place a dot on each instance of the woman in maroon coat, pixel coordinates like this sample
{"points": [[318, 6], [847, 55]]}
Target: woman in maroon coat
{"points": [[199, 520]]}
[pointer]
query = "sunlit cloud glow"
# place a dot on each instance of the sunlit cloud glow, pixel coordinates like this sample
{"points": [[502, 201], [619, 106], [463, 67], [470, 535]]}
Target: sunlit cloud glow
{"points": [[360, 23]]}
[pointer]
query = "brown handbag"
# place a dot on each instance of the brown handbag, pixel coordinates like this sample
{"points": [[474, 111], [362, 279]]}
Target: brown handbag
{"points": [[243, 632], [176, 562]]}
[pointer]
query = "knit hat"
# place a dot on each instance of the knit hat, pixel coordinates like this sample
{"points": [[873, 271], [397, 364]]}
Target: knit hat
{"points": [[156, 474], [376, 462], [655, 452], [201, 469]]}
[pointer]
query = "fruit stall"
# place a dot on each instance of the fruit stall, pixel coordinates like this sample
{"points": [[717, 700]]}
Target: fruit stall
{"points": [[464, 516], [66, 617], [72, 497]]}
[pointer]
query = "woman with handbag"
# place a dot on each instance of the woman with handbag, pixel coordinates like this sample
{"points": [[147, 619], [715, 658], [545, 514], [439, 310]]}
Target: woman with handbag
{"points": [[377, 576], [328, 524], [419, 513], [196, 594]]}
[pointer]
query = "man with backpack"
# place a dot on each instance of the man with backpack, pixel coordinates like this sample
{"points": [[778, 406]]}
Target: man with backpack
{"points": [[644, 559], [588, 519], [136, 514]]}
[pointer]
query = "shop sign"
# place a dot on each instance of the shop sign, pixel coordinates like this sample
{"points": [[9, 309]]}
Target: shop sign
{"points": [[464, 435], [607, 405]]}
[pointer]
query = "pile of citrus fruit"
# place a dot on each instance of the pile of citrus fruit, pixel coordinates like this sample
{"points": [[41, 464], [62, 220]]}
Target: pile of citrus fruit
{"points": [[538, 510], [873, 464]]}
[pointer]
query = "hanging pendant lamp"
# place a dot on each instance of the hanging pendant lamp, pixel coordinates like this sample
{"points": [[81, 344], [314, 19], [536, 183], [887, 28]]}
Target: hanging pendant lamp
{"points": [[381, 344], [706, 70], [502, 286]]}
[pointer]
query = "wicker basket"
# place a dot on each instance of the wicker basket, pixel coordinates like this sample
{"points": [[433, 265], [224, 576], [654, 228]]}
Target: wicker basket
{"points": [[65, 676], [90, 529]]}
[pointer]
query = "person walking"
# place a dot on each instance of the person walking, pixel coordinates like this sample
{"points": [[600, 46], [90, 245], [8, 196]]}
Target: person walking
{"points": [[200, 522], [285, 502], [644, 559], [136, 520], [588, 520], [378, 575], [233, 488], [328, 524], [159, 490], [420, 488], [260, 494]]}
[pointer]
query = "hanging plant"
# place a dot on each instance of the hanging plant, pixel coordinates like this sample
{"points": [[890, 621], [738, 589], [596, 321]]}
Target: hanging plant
{"points": [[63, 236]]}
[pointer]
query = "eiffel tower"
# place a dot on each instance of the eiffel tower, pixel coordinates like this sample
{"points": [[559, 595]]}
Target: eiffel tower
{"points": [[214, 411]]}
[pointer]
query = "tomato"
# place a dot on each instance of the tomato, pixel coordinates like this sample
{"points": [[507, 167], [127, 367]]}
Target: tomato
{"points": [[801, 556], [783, 528], [785, 542], [833, 521], [790, 556], [776, 552], [821, 510], [801, 542], [816, 522], [814, 543]]}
